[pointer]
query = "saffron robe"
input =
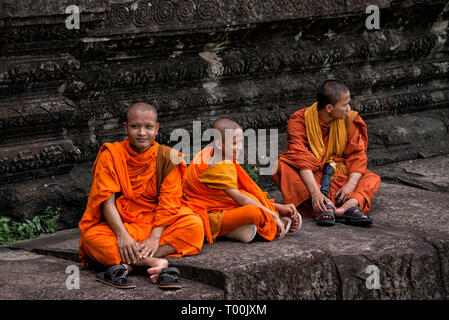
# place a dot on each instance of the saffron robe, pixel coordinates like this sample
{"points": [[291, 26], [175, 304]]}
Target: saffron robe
{"points": [[299, 156], [145, 202], [203, 192]]}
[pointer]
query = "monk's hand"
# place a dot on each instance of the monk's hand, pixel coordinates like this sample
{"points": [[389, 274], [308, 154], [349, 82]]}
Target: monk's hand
{"points": [[281, 227], [294, 215], [319, 200], [128, 249], [149, 246], [288, 210], [343, 192]]}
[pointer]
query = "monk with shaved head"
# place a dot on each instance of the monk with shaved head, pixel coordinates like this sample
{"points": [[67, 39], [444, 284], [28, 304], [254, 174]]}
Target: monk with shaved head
{"points": [[229, 202], [323, 171], [134, 216]]}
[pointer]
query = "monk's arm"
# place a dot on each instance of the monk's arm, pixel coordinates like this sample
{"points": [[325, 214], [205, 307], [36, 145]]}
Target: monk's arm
{"points": [[169, 203], [126, 244], [298, 153], [288, 210], [318, 199], [243, 200], [354, 178]]}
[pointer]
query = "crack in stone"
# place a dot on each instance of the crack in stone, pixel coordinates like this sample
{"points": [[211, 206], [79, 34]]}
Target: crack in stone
{"points": [[340, 281], [441, 273]]}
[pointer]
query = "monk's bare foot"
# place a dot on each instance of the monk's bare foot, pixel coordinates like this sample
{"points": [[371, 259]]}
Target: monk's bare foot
{"points": [[348, 204], [296, 222], [128, 267], [157, 264], [295, 225]]}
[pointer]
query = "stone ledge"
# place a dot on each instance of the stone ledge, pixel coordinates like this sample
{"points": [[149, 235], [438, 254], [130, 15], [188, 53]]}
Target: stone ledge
{"points": [[409, 243], [30, 276], [429, 174]]}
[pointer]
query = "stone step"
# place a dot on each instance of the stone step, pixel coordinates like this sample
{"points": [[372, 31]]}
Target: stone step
{"points": [[408, 244], [430, 174], [30, 276]]}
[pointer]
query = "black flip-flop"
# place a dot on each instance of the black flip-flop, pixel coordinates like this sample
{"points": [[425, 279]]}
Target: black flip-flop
{"points": [[320, 220], [354, 215], [115, 277], [169, 279]]}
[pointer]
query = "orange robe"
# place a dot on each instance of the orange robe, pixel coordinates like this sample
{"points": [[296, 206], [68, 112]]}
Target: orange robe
{"points": [[203, 191], [299, 156], [119, 169]]}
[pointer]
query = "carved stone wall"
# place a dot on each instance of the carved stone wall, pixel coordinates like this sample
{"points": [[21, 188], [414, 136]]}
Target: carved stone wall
{"points": [[63, 91]]}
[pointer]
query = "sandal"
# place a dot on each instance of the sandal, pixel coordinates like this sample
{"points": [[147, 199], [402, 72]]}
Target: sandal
{"points": [[329, 213], [115, 276], [298, 216], [354, 215], [289, 223], [169, 279]]}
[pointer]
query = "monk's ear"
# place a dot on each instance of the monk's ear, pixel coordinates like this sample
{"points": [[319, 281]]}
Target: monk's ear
{"points": [[329, 107], [125, 125], [157, 128]]}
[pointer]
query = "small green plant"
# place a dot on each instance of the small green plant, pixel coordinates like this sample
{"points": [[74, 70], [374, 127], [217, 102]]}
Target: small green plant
{"points": [[15, 231], [253, 173], [5, 232]]}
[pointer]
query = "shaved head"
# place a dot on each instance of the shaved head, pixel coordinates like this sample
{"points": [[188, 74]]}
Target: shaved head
{"points": [[141, 106], [330, 92], [231, 134], [141, 126], [222, 124]]}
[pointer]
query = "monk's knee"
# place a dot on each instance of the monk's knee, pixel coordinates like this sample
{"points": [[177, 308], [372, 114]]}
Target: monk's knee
{"points": [[100, 236], [378, 180], [253, 214], [194, 226], [90, 236], [374, 180], [198, 226]]}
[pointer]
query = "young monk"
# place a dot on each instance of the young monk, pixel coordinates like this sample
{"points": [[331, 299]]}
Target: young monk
{"points": [[229, 202], [328, 132], [134, 214]]}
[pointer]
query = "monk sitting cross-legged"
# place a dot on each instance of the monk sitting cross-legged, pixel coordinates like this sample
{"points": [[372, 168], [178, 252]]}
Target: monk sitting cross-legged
{"points": [[326, 160], [229, 202], [134, 215]]}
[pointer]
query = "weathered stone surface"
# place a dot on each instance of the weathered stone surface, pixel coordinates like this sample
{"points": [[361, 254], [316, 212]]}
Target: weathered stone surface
{"points": [[408, 242], [325, 263], [430, 174], [67, 191], [62, 244], [408, 137], [419, 211], [30, 276], [63, 91]]}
